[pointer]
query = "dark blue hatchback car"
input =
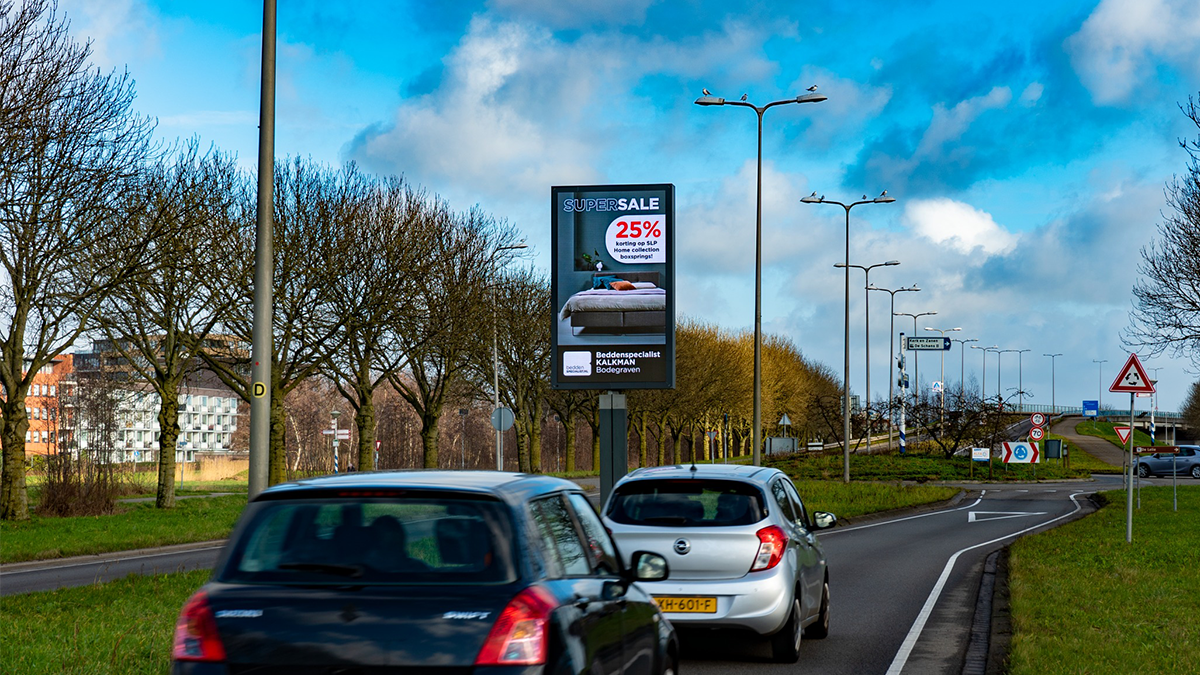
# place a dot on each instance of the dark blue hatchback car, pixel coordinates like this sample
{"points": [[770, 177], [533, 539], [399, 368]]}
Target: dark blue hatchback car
{"points": [[429, 572]]}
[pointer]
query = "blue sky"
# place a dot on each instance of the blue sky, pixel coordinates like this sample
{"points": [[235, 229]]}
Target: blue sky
{"points": [[1027, 143]]}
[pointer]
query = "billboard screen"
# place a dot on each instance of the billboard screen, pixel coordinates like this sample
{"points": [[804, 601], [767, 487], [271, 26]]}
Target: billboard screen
{"points": [[613, 281]]}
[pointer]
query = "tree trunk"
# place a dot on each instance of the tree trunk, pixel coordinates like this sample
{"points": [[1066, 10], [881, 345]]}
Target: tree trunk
{"points": [[570, 450], [429, 439], [277, 467], [663, 434], [642, 438], [535, 436], [168, 436], [595, 424], [14, 500], [678, 446], [524, 464], [364, 418]]}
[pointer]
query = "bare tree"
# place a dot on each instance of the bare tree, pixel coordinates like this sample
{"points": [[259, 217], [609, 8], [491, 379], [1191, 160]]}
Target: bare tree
{"points": [[1191, 406], [70, 147], [383, 250], [311, 204], [160, 325], [454, 308], [1166, 314], [525, 316]]}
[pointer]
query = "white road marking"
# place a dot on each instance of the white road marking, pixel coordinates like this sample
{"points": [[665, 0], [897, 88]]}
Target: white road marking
{"points": [[914, 633], [900, 520], [1000, 515]]}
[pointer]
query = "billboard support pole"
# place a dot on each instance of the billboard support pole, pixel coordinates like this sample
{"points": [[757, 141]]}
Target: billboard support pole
{"points": [[614, 448]]}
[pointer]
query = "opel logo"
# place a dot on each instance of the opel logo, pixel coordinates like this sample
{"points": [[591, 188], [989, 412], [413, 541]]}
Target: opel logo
{"points": [[682, 546]]}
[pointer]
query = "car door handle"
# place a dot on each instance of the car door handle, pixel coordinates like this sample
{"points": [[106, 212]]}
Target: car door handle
{"points": [[582, 603]]}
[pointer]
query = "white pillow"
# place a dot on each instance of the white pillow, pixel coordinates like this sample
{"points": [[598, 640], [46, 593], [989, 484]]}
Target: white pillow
{"points": [[643, 285]]}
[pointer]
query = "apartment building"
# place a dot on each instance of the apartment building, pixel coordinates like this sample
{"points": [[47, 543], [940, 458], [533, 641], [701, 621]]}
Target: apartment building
{"points": [[49, 407]]}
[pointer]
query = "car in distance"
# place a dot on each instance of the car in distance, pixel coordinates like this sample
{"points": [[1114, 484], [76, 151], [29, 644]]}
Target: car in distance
{"points": [[460, 573], [740, 544], [1186, 463]]}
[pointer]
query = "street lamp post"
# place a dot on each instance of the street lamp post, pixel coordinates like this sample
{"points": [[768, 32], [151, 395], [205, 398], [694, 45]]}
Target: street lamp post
{"points": [[891, 347], [943, 331], [983, 385], [1053, 406], [1099, 385], [883, 198], [1021, 378], [496, 353], [706, 100], [867, 280], [962, 365], [916, 362]]}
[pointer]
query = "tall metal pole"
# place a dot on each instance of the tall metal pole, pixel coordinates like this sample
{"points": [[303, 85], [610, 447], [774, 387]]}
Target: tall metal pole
{"points": [[264, 267], [707, 100], [1021, 378], [891, 350], [757, 436], [1053, 404], [496, 383], [1099, 384], [1129, 485]]}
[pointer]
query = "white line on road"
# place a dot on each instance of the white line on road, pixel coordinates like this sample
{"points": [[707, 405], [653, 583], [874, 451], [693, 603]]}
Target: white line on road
{"points": [[914, 633], [900, 520]]}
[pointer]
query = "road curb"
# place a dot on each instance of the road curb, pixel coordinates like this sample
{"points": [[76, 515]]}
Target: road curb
{"points": [[26, 566]]}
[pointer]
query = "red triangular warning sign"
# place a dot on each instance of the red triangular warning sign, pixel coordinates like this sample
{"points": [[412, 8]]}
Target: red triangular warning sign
{"points": [[1123, 433], [1132, 379]]}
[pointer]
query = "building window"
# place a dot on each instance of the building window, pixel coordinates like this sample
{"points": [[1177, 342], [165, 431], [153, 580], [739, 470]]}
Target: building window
{"points": [[52, 388], [45, 435]]}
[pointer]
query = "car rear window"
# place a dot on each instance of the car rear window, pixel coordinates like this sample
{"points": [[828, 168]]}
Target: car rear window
{"points": [[686, 503], [402, 540]]}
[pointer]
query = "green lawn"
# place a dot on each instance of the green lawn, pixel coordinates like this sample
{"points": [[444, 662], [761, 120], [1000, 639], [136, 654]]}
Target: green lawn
{"points": [[1105, 430], [124, 626], [1084, 601], [859, 498], [140, 526], [920, 467]]}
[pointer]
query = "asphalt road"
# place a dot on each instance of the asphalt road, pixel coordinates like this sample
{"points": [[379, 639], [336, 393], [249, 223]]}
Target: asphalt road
{"points": [[904, 590], [49, 575]]}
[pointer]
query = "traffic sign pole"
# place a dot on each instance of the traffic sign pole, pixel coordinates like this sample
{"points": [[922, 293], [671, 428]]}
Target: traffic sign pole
{"points": [[1129, 491]]}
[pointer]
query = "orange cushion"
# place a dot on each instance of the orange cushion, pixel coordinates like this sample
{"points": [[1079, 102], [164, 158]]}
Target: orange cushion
{"points": [[621, 286]]}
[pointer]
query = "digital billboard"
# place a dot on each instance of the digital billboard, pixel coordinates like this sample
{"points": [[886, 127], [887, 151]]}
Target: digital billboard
{"points": [[613, 282]]}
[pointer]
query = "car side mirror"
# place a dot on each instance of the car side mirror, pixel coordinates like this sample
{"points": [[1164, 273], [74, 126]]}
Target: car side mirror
{"points": [[647, 566], [823, 520]]}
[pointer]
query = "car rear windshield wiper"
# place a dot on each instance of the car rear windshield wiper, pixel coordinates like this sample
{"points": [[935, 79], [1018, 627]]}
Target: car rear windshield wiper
{"points": [[352, 571]]}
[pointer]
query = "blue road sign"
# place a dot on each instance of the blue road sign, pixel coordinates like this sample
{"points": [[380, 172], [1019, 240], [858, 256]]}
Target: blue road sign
{"points": [[1091, 408]]}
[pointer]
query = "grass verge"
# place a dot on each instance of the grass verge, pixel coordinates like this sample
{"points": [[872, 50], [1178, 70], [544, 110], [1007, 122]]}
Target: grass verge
{"points": [[1084, 601], [1082, 460], [1105, 430], [140, 526], [66, 631], [856, 499], [921, 468]]}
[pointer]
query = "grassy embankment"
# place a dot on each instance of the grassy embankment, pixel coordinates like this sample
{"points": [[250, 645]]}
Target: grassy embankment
{"points": [[1084, 601], [139, 526], [921, 468], [1105, 430]]}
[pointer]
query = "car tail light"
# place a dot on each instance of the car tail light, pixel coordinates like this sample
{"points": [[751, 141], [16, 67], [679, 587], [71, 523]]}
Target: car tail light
{"points": [[520, 635], [772, 544], [196, 637]]}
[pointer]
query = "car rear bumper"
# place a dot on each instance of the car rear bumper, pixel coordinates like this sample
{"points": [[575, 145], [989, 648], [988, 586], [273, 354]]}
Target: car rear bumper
{"points": [[759, 601]]}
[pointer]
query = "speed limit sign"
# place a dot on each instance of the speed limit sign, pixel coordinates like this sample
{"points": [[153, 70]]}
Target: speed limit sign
{"points": [[1038, 419], [1037, 433]]}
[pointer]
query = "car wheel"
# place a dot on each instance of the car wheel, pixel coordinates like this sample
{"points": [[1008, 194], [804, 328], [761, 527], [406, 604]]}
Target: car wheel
{"points": [[670, 668], [1196, 471], [820, 628], [785, 645], [1143, 471]]}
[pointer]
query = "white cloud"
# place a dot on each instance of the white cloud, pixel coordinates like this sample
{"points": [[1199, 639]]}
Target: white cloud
{"points": [[121, 31], [1032, 94], [1118, 46], [577, 13], [948, 125], [958, 226], [847, 111]]}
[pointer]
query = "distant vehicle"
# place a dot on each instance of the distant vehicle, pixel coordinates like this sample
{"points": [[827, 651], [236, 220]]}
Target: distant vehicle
{"points": [[425, 572], [742, 549], [1186, 463]]}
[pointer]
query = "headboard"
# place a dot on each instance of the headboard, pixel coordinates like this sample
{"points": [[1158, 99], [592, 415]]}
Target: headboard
{"points": [[652, 277]]}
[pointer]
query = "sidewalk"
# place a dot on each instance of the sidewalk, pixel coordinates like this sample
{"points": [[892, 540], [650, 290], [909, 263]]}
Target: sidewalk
{"points": [[1096, 447]]}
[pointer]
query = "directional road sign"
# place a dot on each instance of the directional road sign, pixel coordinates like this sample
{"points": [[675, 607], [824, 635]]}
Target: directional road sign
{"points": [[1037, 433], [1038, 419], [1091, 408], [1158, 450], [1132, 379], [1123, 434], [927, 343], [1021, 453], [342, 434]]}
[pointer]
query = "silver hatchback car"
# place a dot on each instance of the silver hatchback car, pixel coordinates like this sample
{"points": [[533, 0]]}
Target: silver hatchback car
{"points": [[740, 545]]}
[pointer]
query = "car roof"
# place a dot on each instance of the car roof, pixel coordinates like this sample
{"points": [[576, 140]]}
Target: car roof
{"points": [[754, 474], [513, 487]]}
